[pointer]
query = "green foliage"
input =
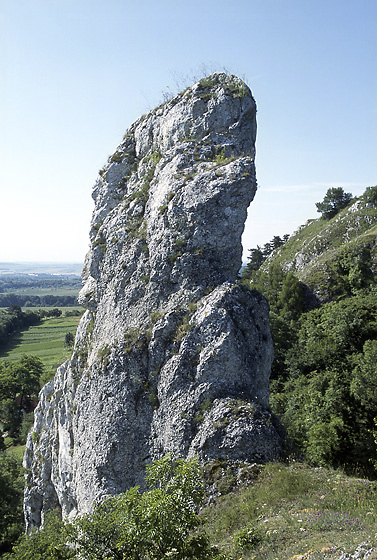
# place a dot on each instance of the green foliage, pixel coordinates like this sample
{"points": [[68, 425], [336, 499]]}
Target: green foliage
{"points": [[38, 290], [286, 510], [117, 157], [323, 375], [259, 255], [291, 297], [50, 543], [11, 496], [248, 538], [363, 384], [335, 199], [255, 261], [20, 378], [164, 206], [312, 251], [283, 290], [26, 425], [159, 523], [45, 340], [204, 407], [221, 159], [231, 84], [370, 195], [13, 320], [328, 401], [104, 355], [184, 325], [19, 383], [133, 338], [69, 339], [350, 271]]}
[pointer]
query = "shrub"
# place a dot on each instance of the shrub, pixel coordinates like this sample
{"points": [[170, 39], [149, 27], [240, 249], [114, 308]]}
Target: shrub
{"points": [[248, 538]]}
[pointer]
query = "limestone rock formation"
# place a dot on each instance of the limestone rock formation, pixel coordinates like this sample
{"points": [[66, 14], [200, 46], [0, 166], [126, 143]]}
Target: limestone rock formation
{"points": [[172, 355]]}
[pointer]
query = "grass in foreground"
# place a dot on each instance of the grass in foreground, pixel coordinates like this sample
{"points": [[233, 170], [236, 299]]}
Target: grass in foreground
{"points": [[294, 512]]}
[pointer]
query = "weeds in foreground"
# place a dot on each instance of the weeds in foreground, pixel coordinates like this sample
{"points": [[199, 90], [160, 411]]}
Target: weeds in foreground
{"points": [[293, 510]]}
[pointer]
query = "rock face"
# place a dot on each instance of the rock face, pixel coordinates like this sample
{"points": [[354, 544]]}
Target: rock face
{"points": [[171, 355]]}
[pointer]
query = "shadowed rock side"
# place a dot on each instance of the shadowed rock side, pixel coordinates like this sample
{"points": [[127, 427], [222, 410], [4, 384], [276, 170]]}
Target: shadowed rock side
{"points": [[171, 355]]}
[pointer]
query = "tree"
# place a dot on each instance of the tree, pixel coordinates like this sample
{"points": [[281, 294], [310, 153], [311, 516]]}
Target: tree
{"points": [[159, 523], [11, 496], [370, 195], [269, 283], [49, 543], [54, 312], [291, 297], [363, 385], [335, 199], [329, 400], [277, 241], [69, 340], [19, 382], [256, 260], [267, 249], [28, 372]]}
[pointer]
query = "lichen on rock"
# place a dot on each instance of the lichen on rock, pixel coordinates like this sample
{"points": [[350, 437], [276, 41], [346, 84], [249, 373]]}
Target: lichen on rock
{"points": [[172, 355]]}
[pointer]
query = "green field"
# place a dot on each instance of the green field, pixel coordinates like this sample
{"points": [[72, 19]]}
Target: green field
{"points": [[54, 291], [45, 340]]}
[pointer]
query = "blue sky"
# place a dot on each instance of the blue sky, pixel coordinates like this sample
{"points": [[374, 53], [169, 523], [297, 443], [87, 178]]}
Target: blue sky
{"points": [[75, 74]]}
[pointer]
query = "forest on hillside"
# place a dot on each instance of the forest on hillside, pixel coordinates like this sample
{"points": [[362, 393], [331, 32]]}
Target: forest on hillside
{"points": [[323, 379]]}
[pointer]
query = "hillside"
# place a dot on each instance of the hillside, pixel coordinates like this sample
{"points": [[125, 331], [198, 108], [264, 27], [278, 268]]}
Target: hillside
{"points": [[265, 512], [321, 287], [322, 249]]}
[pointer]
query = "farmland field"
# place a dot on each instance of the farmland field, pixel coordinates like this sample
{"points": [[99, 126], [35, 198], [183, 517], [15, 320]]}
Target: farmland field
{"points": [[45, 340]]}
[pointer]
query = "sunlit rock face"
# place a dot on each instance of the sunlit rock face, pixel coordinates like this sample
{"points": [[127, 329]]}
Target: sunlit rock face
{"points": [[172, 355]]}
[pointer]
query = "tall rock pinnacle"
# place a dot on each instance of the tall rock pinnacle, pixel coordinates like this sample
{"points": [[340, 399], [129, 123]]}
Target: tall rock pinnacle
{"points": [[172, 355]]}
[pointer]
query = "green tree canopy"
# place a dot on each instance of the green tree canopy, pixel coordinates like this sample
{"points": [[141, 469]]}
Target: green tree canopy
{"points": [[150, 525], [19, 382], [11, 494], [335, 199], [329, 401], [69, 339]]}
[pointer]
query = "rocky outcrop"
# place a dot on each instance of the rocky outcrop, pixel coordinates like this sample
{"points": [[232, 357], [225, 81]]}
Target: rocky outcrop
{"points": [[172, 355]]}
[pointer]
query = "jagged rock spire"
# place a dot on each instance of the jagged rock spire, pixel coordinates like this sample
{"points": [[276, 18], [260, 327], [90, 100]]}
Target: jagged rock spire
{"points": [[172, 355]]}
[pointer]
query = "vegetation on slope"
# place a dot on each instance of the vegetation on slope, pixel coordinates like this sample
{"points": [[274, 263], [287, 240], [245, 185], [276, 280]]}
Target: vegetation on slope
{"points": [[265, 512], [31, 358], [47, 340], [324, 373], [322, 249], [320, 284]]}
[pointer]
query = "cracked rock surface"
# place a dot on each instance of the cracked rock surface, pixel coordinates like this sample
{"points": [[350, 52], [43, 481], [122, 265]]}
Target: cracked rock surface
{"points": [[171, 355]]}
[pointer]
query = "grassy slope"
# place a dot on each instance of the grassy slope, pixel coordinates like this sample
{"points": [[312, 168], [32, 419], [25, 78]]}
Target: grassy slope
{"points": [[292, 511], [45, 340], [317, 242]]}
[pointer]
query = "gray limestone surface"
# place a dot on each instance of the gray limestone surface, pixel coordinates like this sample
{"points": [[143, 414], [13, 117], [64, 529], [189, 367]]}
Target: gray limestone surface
{"points": [[172, 354]]}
